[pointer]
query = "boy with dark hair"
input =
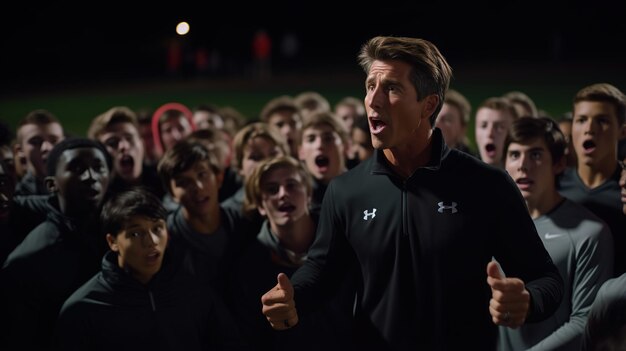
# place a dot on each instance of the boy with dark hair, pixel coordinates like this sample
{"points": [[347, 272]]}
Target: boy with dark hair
{"points": [[579, 243], [206, 233], [61, 253], [141, 295]]}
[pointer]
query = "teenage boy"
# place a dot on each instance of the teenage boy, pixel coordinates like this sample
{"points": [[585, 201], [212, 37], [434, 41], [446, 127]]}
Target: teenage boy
{"points": [[63, 252], [207, 235], [579, 243], [599, 112], [141, 295]]}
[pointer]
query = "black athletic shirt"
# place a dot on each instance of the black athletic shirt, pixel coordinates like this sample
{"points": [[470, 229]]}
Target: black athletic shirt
{"points": [[422, 246]]}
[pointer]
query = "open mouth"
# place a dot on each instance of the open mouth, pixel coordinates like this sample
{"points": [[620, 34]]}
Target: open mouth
{"points": [[490, 147], [377, 125], [126, 164], [322, 161], [286, 208], [201, 201], [589, 145], [153, 257]]}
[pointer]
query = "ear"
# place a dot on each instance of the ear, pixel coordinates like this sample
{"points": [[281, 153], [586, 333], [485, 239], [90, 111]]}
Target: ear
{"points": [[430, 104], [112, 242], [51, 184], [262, 211]]}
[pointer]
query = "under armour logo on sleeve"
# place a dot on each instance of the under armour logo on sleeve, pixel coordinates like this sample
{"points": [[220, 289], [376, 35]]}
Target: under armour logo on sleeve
{"points": [[370, 215], [444, 207]]}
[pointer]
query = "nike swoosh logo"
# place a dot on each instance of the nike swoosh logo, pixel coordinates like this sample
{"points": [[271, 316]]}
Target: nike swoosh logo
{"points": [[549, 236]]}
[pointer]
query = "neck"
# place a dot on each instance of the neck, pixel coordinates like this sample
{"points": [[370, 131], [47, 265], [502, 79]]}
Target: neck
{"points": [[539, 207], [296, 236], [594, 175], [405, 159], [205, 224]]}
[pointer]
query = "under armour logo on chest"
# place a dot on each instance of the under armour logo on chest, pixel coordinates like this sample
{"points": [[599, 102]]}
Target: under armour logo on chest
{"points": [[444, 207], [370, 215]]}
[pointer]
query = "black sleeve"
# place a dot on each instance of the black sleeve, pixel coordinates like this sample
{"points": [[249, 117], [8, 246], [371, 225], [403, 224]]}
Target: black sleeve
{"points": [[328, 258]]}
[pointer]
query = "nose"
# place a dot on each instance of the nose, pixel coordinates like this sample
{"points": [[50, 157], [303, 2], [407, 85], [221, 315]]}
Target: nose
{"points": [[375, 97], [589, 126], [523, 163], [177, 135], [123, 145], [151, 240], [491, 131], [282, 192], [87, 174], [286, 129], [46, 146]]}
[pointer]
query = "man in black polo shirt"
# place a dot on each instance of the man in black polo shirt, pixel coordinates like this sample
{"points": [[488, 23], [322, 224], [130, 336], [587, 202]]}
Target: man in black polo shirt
{"points": [[422, 223]]}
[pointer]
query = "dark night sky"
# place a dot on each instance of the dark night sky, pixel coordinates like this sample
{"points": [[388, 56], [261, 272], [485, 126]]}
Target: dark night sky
{"points": [[44, 43]]}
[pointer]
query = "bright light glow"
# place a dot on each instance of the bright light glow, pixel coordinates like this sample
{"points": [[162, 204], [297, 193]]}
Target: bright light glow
{"points": [[182, 28]]}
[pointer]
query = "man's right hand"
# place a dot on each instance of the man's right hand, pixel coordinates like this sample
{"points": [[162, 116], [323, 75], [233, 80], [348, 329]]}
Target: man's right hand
{"points": [[278, 305]]}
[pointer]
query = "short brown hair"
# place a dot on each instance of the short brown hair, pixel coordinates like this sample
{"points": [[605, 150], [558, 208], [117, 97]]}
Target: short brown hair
{"points": [[253, 183], [117, 114], [280, 103], [329, 119], [430, 72], [182, 156], [604, 92], [37, 117], [254, 130]]}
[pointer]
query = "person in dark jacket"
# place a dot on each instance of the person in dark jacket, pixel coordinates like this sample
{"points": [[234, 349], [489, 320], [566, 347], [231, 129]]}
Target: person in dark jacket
{"points": [[280, 189], [207, 235], [60, 254], [423, 224], [141, 299], [9, 239]]}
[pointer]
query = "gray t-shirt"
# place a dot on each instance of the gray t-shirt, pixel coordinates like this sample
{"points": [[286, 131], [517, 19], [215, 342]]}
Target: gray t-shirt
{"points": [[581, 246]]}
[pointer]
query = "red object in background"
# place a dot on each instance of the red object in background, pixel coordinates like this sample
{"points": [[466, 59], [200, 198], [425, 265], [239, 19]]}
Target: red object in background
{"points": [[261, 45], [156, 133]]}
